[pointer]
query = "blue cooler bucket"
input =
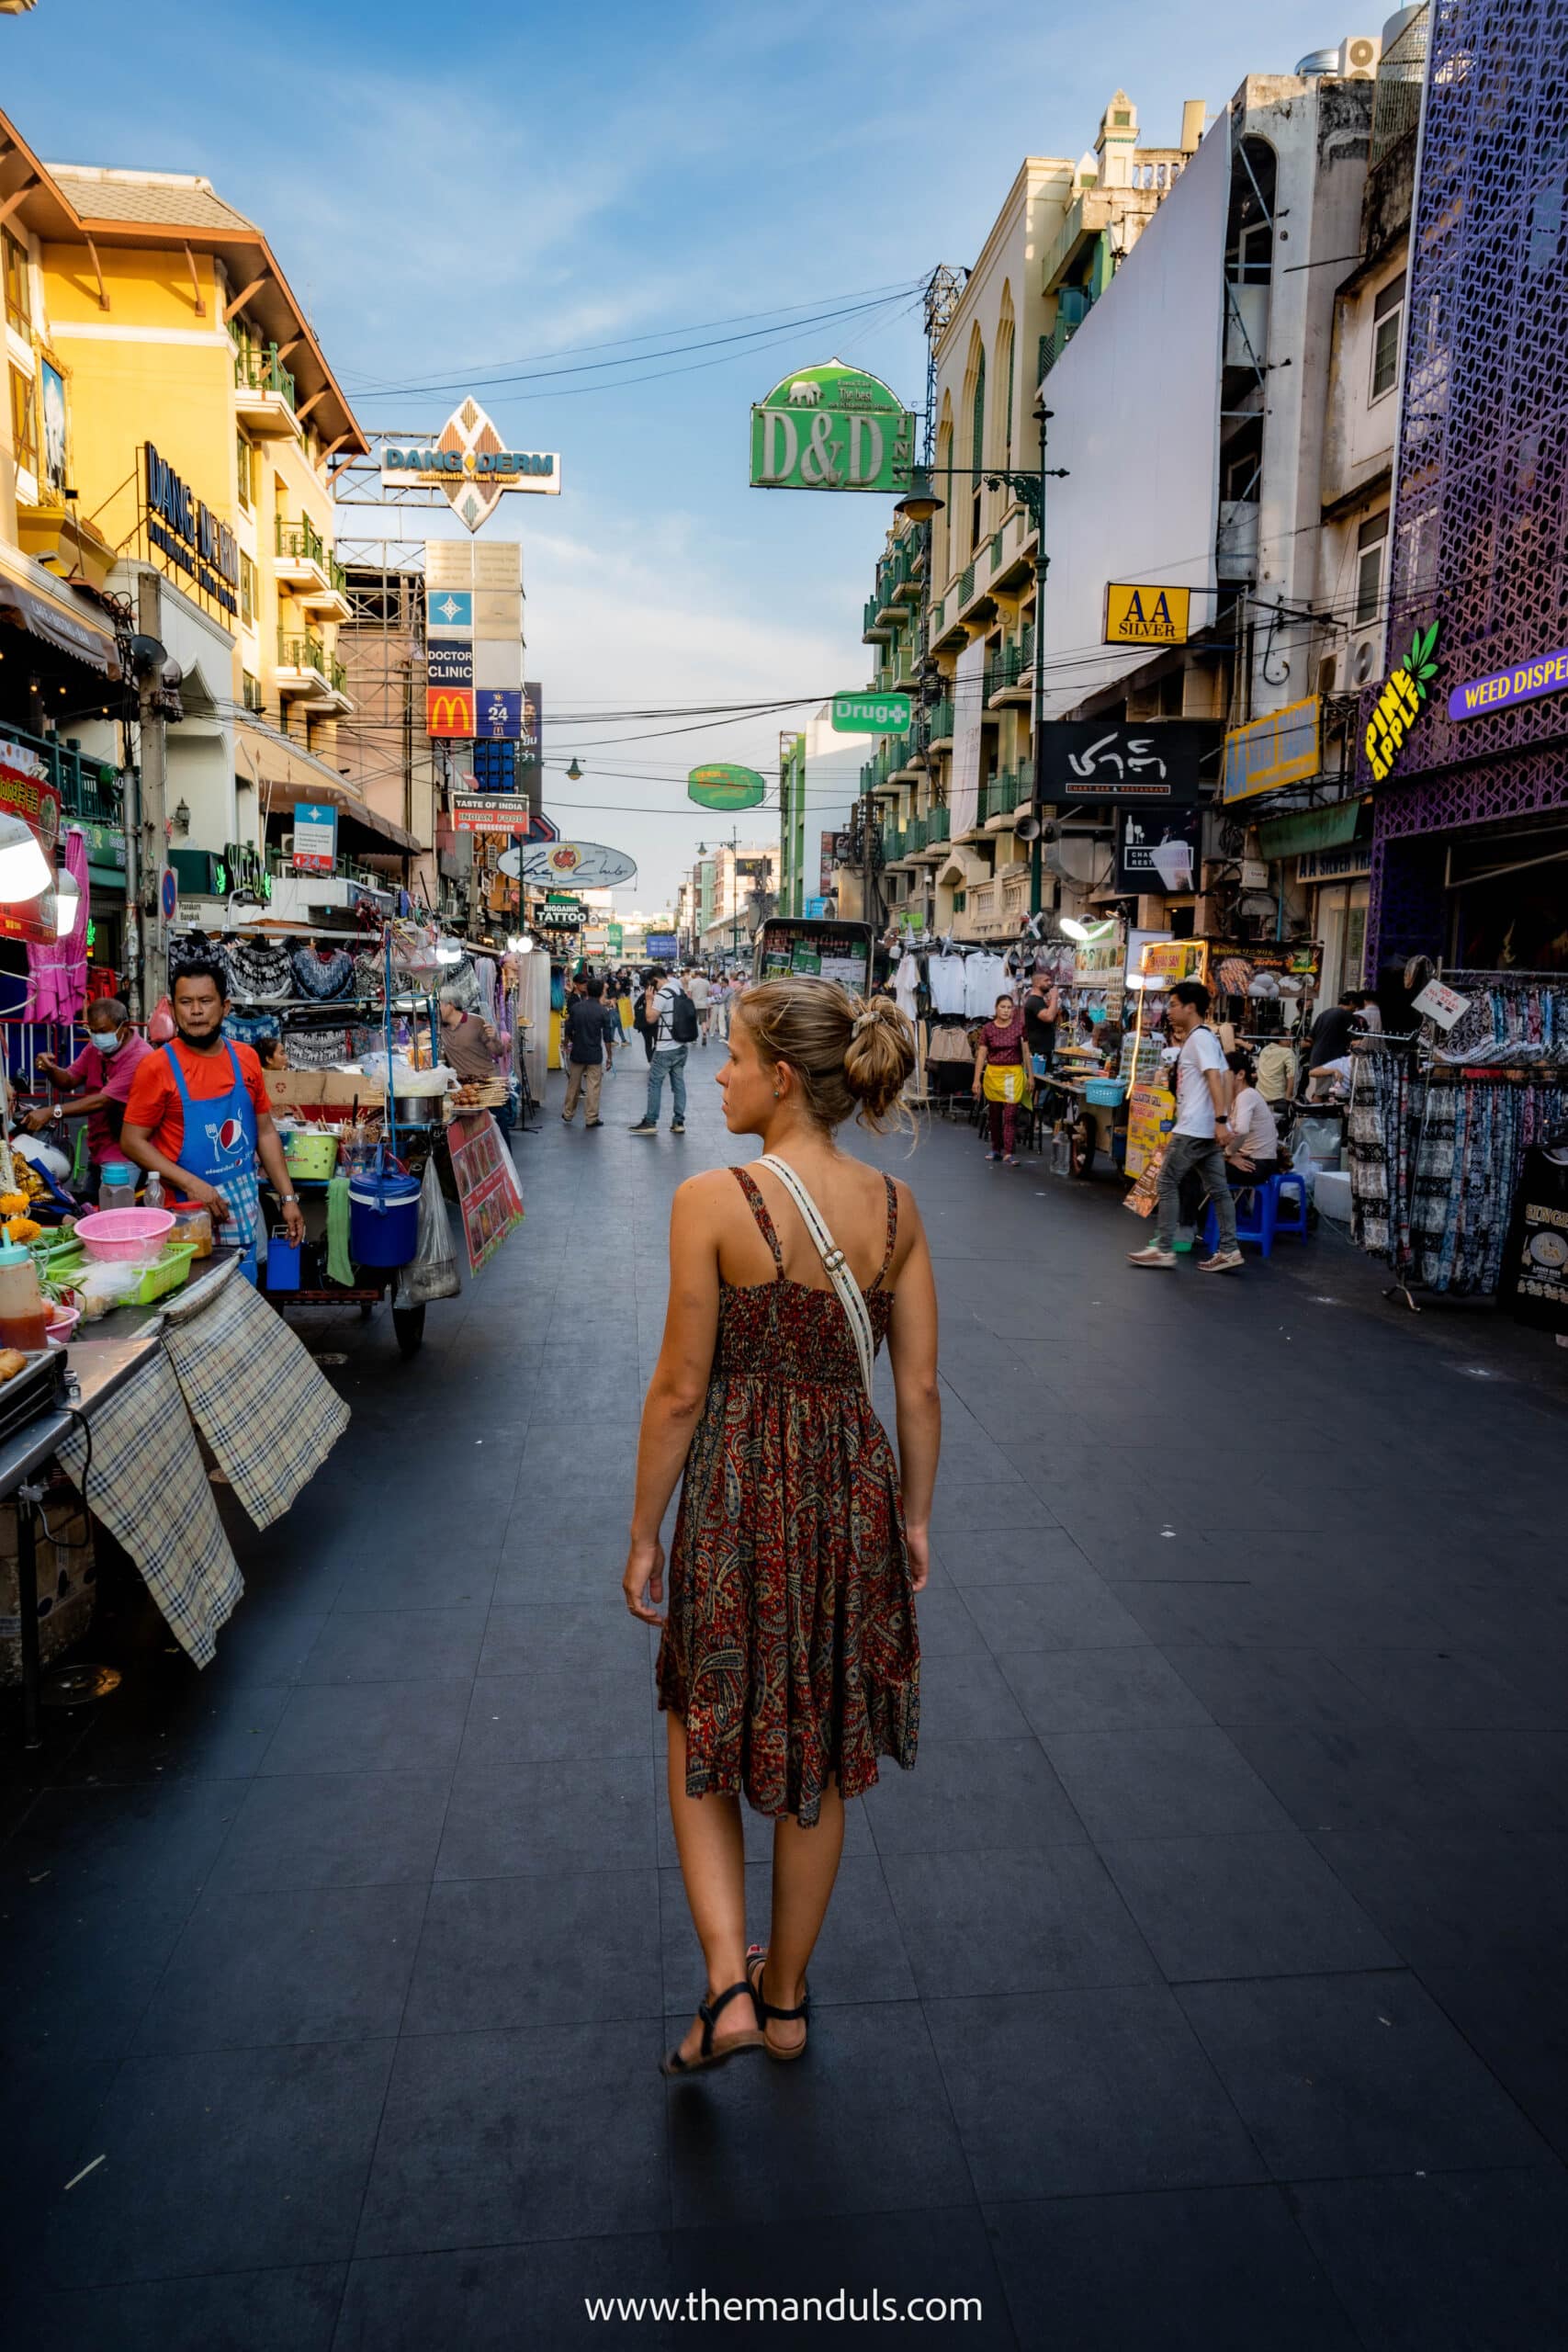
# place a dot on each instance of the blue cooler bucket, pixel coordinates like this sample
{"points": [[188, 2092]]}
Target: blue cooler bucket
{"points": [[383, 1219]]}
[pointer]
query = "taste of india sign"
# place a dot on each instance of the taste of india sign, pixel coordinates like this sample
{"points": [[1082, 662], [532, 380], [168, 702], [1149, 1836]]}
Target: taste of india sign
{"points": [[832, 427]]}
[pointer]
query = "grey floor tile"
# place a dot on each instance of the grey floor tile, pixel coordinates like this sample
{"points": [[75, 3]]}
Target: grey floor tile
{"points": [[1099, 1690], [572, 1713], [1004, 1555], [396, 1645], [416, 2303], [292, 1964], [1169, 1783], [557, 1947], [369, 1727], [991, 1794], [1070, 1610], [1264, 1905], [333, 1829], [1044, 1919], [246, 2311], [513, 1818]]}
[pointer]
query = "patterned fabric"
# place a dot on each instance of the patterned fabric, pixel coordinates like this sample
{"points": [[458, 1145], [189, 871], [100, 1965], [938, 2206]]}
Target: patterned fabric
{"points": [[790, 1646], [1004, 1043], [147, 1484], [268, 1415], [323, 978], [259, 972]]}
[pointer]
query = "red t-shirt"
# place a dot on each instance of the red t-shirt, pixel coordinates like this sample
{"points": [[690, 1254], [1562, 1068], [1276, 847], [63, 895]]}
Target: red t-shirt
{"points": [[154, 1101]]}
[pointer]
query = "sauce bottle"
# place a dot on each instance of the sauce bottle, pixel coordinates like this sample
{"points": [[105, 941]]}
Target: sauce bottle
{"points": [[24, 1319]]}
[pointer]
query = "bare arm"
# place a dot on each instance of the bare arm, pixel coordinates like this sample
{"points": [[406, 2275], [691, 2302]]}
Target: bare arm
{"points": [[980, 1058], [269, 1151], [911, 1349], [136, 1144], [676, 1393], [1219, 1090]]}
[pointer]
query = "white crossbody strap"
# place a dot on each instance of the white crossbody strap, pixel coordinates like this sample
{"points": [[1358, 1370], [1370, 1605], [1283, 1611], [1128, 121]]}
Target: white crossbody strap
{"points": [[833, 1264]]}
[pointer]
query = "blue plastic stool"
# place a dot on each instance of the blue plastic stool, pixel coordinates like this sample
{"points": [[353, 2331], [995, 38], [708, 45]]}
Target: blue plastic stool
{"points": [[1259, 1212]]}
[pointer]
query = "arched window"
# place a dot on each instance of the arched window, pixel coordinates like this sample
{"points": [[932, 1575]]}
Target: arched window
{"points": [[943, 538], [977, 452]]}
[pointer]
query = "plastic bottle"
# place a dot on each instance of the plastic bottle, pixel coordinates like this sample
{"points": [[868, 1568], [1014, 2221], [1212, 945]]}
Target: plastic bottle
{"points": [[152, 1191], [24, 1319], [116, 1186]]}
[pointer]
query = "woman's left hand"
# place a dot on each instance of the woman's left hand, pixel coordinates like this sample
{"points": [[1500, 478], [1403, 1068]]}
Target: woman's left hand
{"points": [[920, 1548], [644, 1580]]}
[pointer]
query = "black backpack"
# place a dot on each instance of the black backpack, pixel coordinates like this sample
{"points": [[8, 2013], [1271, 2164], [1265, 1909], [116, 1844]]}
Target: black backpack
{"points": [[683, 1020]]}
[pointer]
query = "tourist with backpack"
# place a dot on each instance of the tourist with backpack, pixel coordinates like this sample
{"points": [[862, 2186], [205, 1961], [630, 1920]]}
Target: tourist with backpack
{"points": [[670, 1019]]}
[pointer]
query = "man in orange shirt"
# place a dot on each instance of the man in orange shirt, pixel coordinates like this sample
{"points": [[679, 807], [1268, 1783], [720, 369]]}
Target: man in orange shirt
{"points": [[200, 1114]]}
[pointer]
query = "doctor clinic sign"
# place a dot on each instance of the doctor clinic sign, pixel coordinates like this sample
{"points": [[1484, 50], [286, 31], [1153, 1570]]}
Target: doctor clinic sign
{"points": [[831, 428]]}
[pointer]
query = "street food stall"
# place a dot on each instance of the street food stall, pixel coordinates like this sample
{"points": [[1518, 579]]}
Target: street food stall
{"points": [[1259, 989], [827, 949]]}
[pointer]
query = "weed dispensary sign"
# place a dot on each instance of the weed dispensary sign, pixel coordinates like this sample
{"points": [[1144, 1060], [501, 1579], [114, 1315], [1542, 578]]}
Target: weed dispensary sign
{"points": [[1399, 704], [1543, 674], [832, 427], [723, 786], [871, 714], [470, 462]]}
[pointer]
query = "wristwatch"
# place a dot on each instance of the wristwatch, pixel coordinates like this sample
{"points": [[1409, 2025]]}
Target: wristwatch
{"points": [[286, 1197]]}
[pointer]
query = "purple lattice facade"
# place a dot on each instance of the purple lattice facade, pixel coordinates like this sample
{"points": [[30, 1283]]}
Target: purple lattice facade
{"points": [[1481, 516]]}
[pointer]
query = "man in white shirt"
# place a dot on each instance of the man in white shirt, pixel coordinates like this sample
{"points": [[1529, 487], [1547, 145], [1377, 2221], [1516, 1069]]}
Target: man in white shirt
{"points": [[1196, 1143], [699, 990], [670, 1018]]}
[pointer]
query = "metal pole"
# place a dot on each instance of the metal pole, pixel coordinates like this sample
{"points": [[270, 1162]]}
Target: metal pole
{"points": [[1037, 698], [152, 803]]}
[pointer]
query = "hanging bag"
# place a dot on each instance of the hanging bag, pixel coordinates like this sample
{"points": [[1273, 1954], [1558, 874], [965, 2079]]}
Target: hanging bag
{"points": [[833, 1264]]}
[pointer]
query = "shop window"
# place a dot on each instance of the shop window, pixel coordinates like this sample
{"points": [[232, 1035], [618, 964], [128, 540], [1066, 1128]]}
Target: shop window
{"points": [[19, 285], [1369, 543], [1388, 312], [24, 421], [248, 598]]}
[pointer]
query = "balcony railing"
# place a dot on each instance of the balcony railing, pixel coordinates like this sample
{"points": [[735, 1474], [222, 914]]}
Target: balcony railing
{"points": [[937, 825], [914, 835], [257, 368], [892, 844], [874, 628], [966, 585], [1001, 797], [89, 789], [308, 653], [302, 543], [942, 720]]}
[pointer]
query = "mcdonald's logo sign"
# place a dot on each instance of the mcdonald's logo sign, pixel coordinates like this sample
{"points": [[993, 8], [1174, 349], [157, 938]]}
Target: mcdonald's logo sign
{"points": [[449, 710]]}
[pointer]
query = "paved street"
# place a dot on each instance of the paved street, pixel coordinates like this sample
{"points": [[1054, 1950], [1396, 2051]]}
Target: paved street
{"points": [[1201, 1988]]}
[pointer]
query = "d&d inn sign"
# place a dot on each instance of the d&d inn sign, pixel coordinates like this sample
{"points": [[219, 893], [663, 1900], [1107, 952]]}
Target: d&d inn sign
{"points": [[184, 527], [831, 428]]}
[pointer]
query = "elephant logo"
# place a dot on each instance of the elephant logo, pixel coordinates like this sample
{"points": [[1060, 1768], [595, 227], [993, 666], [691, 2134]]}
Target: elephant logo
{"points": [[803, 395]]}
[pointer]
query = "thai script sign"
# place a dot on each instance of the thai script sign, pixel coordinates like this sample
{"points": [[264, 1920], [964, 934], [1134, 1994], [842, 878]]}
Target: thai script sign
{"points": [[1112, 759]]}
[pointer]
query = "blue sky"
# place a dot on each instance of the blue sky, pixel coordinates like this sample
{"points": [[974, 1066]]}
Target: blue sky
{"points": [[453, 189]]}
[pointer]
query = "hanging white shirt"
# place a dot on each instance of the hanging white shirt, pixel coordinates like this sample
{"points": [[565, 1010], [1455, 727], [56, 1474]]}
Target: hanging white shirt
{"points": [[947, 983], [906, 983]]}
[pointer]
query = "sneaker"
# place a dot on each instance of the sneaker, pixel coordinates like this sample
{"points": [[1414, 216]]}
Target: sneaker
{"points": [[677, 1126], [645, 1127], [1224, 1262], [1152, 1256], [592, 1124]]}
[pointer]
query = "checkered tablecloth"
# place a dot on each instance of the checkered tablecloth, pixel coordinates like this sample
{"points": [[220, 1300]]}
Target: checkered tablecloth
{"points": [[269, 1416], [141, 1473]]}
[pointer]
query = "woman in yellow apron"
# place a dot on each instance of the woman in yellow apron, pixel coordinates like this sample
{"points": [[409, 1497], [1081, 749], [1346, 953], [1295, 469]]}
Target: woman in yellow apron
{"points": [[999, 1076]]}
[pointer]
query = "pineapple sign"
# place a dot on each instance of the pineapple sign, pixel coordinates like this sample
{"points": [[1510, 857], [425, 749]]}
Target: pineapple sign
{"points": [[1399, 704]]}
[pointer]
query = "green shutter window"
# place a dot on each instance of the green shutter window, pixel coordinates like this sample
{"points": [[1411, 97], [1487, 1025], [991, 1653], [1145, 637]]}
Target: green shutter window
{"points": [[1013, 342], [979, 457]]}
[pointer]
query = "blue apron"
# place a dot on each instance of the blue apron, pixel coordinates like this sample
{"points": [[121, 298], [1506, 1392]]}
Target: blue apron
{"points": [[220, 1147]]}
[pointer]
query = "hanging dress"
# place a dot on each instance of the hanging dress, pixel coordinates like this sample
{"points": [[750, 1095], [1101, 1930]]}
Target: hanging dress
{"points": [[790, 1646]]}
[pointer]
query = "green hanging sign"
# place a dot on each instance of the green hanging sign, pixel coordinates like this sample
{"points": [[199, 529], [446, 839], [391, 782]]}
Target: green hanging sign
{"points": [[832, 427], [871, 714], [721, 786]]}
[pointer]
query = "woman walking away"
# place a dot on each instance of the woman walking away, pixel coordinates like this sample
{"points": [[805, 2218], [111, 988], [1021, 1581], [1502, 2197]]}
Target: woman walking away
{"points": [[789, 1662], [999, 1075]]}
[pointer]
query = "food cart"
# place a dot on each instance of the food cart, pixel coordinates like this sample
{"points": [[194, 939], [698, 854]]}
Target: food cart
{"points": [[819, 947]]}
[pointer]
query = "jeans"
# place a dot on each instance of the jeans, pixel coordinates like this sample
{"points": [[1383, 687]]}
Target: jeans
{"points": [[1199, 1156], [671, 1058]]}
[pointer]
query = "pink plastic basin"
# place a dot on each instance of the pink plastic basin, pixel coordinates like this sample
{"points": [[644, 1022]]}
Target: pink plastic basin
{"points": [[132, 1235], [62, 1322]]}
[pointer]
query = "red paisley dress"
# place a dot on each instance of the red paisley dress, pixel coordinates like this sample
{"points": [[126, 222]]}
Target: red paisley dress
{"points": [[790, 1645]]}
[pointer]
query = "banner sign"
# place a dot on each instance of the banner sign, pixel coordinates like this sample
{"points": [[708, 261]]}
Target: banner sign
{"points": [[491, 813], [449, 712], [450, 609], [830, 859], [1270, 753], [586, 866], [471, 463], [1543, 674], [498, 715], [487, 1186], [184, 528], [721, 786], [1145, 614], [1113, 759], [315, 837], [832, 427], [1157, 849], [26, 792], [449, 662], [871, 714], [662, 947]]}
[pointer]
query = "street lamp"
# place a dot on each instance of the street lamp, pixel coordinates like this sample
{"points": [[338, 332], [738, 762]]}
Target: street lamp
{"points": [[574, 774]]}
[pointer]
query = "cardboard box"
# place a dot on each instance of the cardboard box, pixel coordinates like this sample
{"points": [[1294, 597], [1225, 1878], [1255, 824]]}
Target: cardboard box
{"points": [[301, 1089]]}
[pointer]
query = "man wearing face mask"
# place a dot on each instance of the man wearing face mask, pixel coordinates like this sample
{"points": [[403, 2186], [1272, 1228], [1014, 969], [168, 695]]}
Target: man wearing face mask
{"points": [[98, 1080]]}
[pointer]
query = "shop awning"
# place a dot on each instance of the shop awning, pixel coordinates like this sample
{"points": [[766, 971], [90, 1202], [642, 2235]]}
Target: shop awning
{"points": [[1307, 829], [57, 620], [283, 773]]}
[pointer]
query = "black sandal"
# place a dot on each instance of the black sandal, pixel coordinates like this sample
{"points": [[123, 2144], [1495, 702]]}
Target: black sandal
{"points": [[673, 2063], [756, 1961]]}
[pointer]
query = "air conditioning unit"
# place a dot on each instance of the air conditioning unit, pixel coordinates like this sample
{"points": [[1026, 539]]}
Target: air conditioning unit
{"points": [[1365, 661], [1359, 58]]}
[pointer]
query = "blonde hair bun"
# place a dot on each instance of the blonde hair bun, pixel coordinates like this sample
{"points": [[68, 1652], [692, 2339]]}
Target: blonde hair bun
{"points": [[850, 1055]]}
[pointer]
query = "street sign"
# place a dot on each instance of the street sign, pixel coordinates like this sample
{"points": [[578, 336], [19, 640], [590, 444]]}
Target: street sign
{"points": [[169, 894], [492, 812], [1146, 613], [1112, 759], [315, 837], [832, 427], [722, 786], [562, 918], [871, 714]]}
